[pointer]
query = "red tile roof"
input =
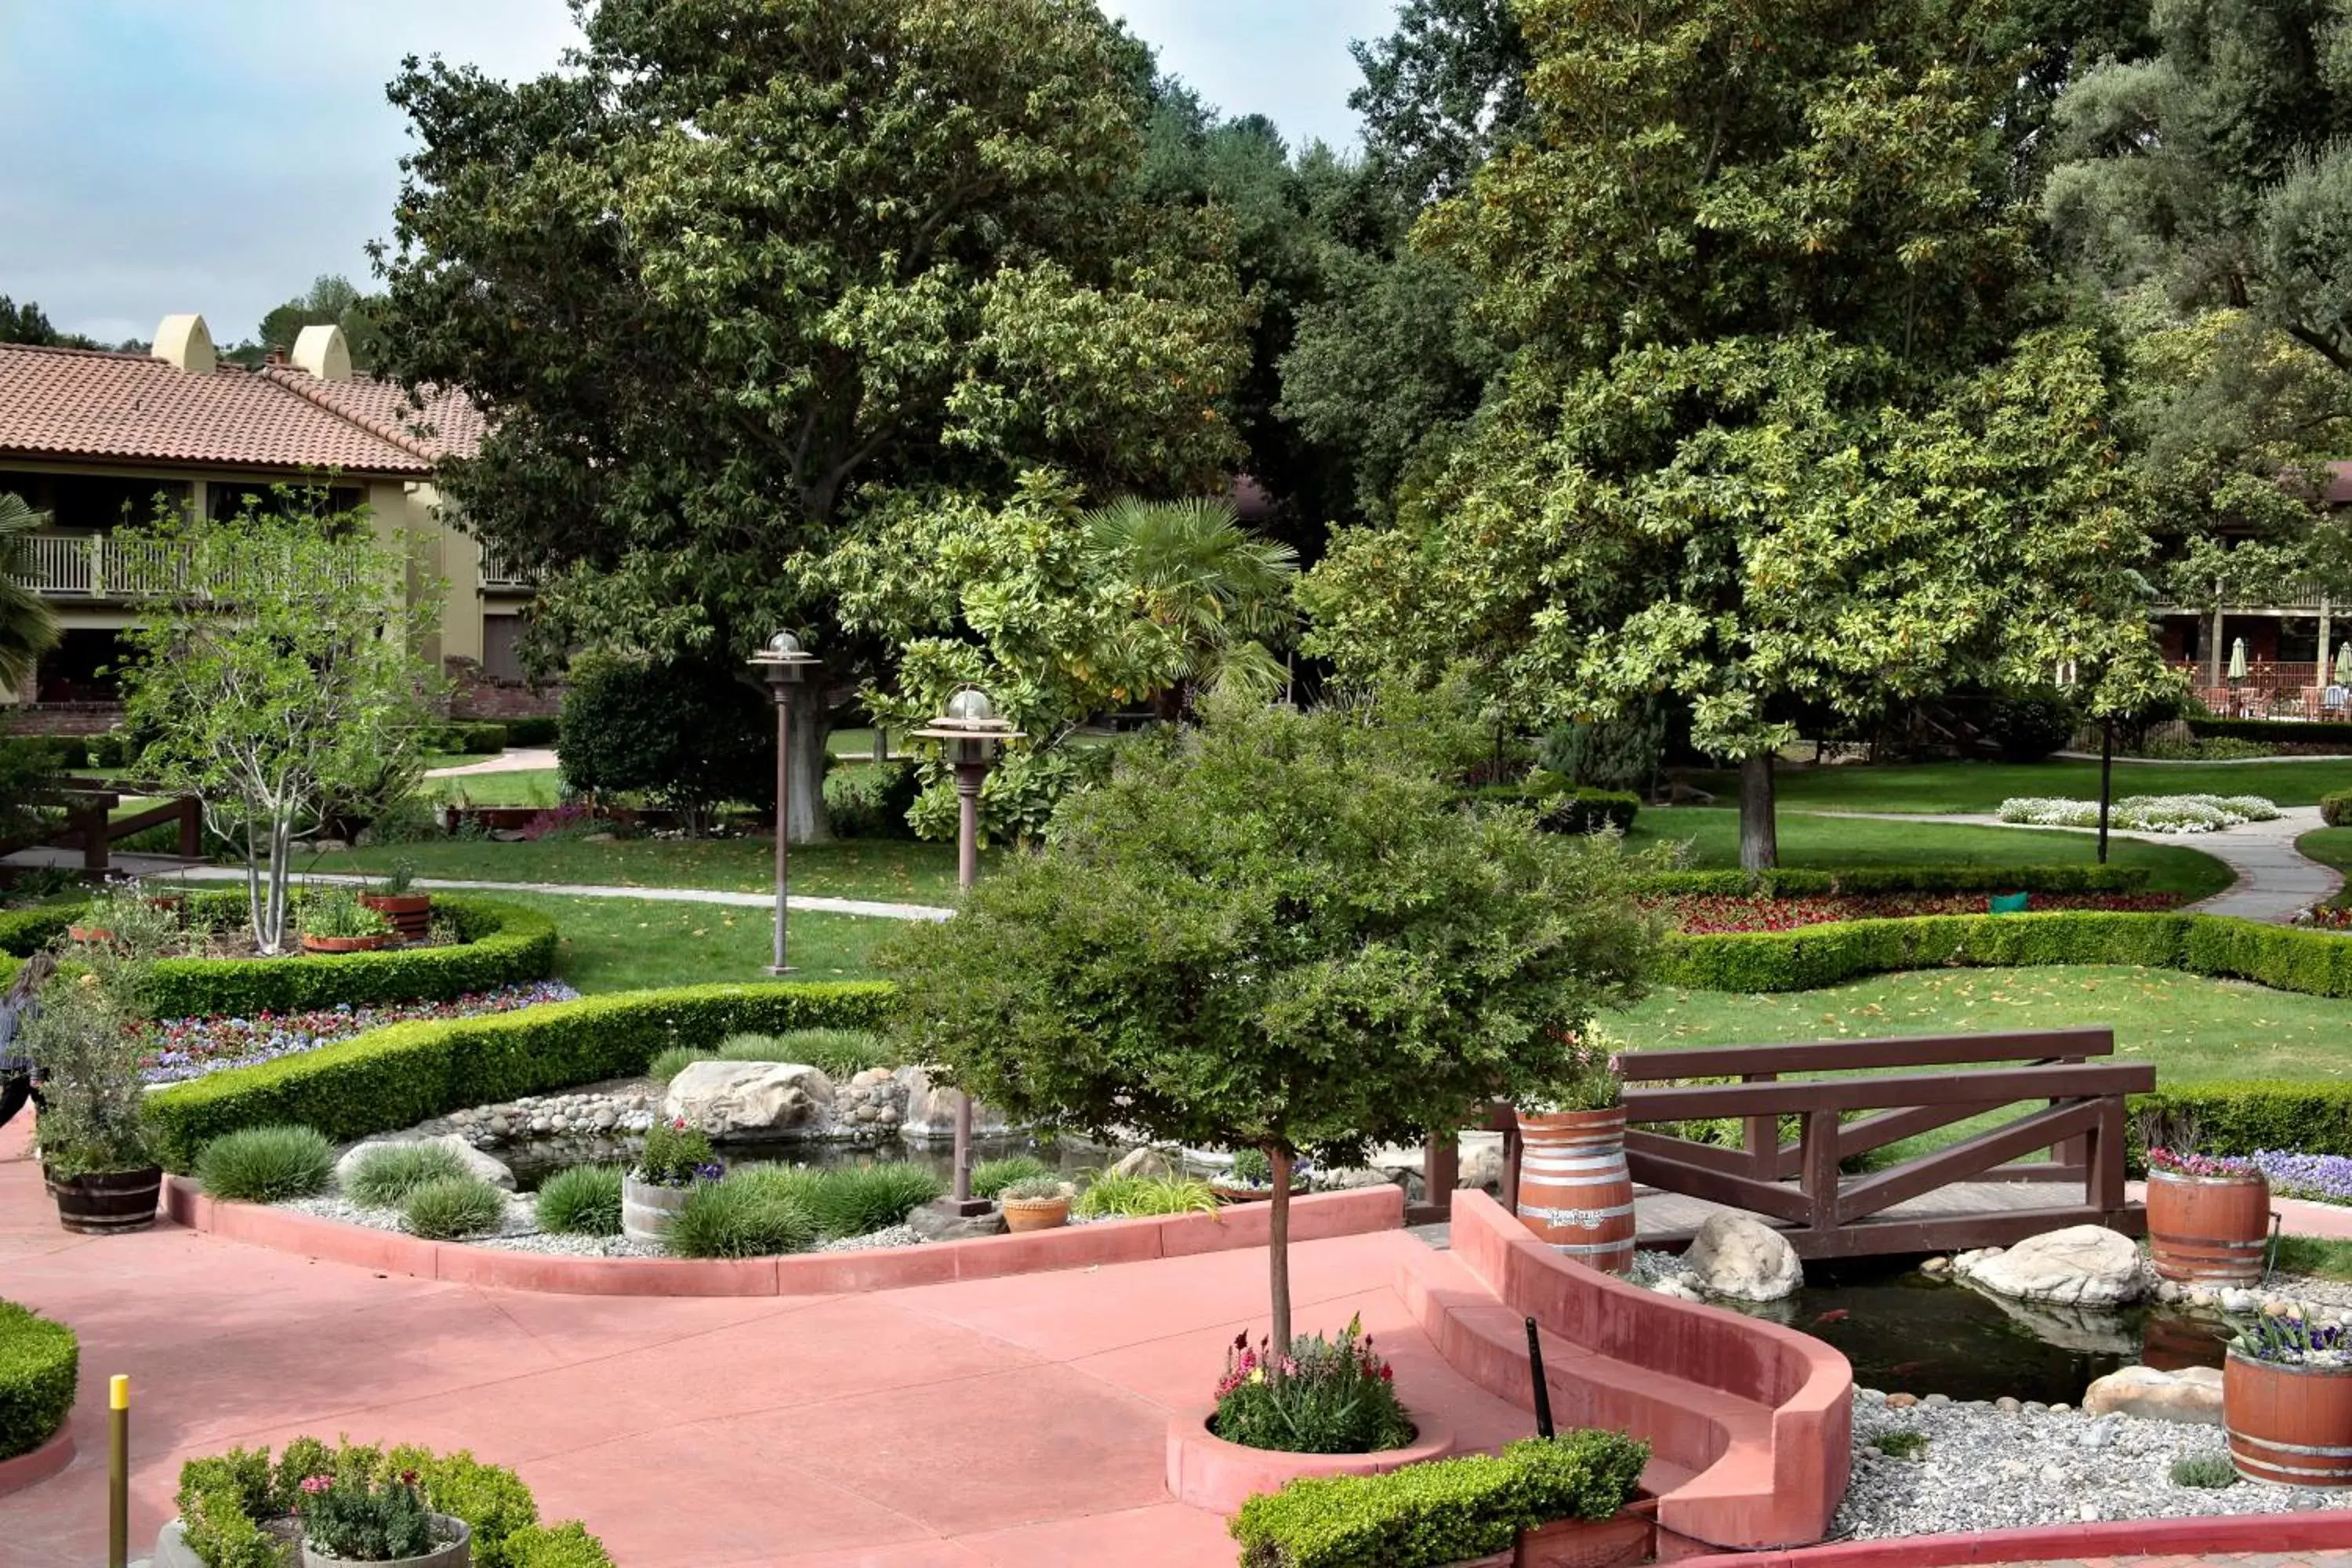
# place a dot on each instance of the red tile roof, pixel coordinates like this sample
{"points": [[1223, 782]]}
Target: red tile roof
{"points": [[126, 407], [443, 424]]}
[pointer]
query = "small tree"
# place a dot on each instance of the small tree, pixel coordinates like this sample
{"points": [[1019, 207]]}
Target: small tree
{"points": [[281, 671], [1275, 932], [691, 732]]}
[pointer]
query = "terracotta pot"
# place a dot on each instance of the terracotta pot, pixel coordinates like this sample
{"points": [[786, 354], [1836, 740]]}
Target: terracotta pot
{"points": [[411, 915], [2209, 1230], [106, 1203], [346, 943], [1574, 1190], [1036, 1214], [89, 933], [2288, 1425], [456, 1549], [646, 1209]]}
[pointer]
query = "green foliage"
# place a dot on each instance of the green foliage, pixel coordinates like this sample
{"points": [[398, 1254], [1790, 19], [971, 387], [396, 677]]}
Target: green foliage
{"points": [[857, 1200], [2335, 810], [2242, 1118], [223, 1534], [1031, 1189], [384, 1177], [469, 740], [490, 1498], [1445, 1511], [2028, 726], [28, 626], [872, 801], [339, 913], [990, 1177], [584, 1200], [2280, 731], [93, 1112], [1133, 1196], [738, 1218], [839, 1054], [266, 1165], [1901, 1444], [1251, 1168], [1334, 1397], [452, 1207], [1789, 882], [1621, 754], [564, 1545], [536, 730], [362, 1517], [397, 1077], [39, 1361], [675, 1060], [2208, 1470], [688, 731], [675, 1154]]}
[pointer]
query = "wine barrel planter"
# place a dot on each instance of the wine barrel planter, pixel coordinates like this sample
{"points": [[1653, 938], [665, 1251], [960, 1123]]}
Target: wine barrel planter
{"points": [[411, 915], [2288, 1425], [1036, 1214], [2209, 1230], [646, 1209], [1574, 1190], [106, 1203], [1229, 1193], [90, 934], [347, 943]]}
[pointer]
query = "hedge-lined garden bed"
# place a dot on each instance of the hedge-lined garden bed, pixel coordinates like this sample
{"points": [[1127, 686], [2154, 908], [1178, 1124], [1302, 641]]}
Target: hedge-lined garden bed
{"points": [[398, 1077], [1805, 882], [39, 1361]]}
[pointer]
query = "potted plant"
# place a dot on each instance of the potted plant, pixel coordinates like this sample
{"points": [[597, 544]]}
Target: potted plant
{"points": [[92, 1131], [410, 912], [122, 917], [2208, 1217], [354, 1516], [1034, 1203], [2286, 1403], [1251, 1178], [335, 922], [677, 1158], [1574, 1189]]}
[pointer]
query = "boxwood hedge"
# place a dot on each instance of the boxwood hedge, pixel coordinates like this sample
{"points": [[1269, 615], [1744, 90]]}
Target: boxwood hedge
{"points": [[40, 1360], [2244, 1116], [2280, 731], [397, 1077], [2335, 810], [1799, 881]]}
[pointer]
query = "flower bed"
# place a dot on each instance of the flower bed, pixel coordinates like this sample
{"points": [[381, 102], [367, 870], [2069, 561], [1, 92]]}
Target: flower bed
{"points": [[184, 1048], [2144, 813], [2317, 1178], [1702, 915]]}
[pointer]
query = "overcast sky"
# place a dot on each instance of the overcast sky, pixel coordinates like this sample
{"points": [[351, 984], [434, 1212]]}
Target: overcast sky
{"points": [[215, 155]]}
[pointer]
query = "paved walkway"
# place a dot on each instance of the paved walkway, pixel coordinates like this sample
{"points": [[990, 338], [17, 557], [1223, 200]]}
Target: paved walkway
{"points": [[521, 759], [2224, 1560], [2275, 881], [593, 890]]}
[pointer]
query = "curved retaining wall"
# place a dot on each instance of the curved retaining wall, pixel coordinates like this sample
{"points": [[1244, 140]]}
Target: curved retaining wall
{"points": [[1750, 1423], [30, 1469], [1312, 1218]]}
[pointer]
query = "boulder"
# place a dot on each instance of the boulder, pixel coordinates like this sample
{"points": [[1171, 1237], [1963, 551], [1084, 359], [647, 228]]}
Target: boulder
{"points": [[2083, 1265], [1143, 1162], [491, 1171], [930, 1111], [1482, 1162], [932, 1224], [2192, 1395], [1739, 1256], [750, 1099]]}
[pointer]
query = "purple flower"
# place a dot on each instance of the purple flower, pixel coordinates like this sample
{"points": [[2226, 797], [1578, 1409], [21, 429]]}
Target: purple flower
{"points": [[2322, 1178]]}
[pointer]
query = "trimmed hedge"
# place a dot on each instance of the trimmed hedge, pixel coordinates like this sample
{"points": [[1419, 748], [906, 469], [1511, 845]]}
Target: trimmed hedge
{"points": [[2335, 810], [470, 738], [23, 932], [1447, 1511], [397, 1077], [1801, 881], [539, 729], [2283, 732], [39, 1361], [2245, 1116]]}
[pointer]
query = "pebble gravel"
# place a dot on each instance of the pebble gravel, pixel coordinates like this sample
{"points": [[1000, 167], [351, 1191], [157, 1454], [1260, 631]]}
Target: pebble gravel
{"points": [[520, 1232]]}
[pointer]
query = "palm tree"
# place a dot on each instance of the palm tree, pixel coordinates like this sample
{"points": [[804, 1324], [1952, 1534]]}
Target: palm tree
{"points": [[28, 627], [1224, 592]]}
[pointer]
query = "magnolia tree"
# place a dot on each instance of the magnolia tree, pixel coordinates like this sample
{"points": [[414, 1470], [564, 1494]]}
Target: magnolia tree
{"points": [[281, 675], [1279, 932]]}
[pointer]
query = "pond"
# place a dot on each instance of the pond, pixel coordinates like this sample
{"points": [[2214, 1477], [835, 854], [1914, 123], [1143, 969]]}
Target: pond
{"points": [[1907, 1332]]}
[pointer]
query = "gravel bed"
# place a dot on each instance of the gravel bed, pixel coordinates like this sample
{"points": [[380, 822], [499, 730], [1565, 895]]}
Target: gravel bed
{"points": [[520, 1232], [1989, 1469]]}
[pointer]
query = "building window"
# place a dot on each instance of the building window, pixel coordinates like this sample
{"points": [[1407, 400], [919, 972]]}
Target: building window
{"points": [[502, 647], [2298, 640], [88, 503]]}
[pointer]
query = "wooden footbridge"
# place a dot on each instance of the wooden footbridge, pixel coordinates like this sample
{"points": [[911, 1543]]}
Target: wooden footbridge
{"points": [[1848, 1099]]}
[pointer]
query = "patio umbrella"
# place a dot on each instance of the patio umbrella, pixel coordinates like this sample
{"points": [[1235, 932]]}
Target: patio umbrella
{"points": [[2344, 665], [2238, 659]]}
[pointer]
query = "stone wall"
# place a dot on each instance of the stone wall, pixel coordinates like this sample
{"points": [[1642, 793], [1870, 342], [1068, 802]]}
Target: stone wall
{"points": [[63, 718]]}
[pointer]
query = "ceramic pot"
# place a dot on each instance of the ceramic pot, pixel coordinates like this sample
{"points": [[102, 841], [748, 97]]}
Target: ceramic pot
{"points": [[1036, 1214], [2209, 1230], [106, 1203], [2288, 1425], [456, 1550], [411, 915], [1574, 1190]]}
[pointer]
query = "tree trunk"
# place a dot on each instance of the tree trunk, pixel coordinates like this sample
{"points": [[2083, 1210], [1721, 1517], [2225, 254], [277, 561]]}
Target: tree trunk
{"points": [[812, 722], [1759, 835], [1278, 1253]]}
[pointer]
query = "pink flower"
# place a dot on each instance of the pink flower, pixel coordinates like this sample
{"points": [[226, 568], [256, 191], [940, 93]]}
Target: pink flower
{"points": [[314, 1485]]}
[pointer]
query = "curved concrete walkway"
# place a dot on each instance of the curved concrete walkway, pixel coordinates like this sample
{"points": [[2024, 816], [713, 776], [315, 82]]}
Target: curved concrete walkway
{"points": [[2275, 881], [593, 890]]}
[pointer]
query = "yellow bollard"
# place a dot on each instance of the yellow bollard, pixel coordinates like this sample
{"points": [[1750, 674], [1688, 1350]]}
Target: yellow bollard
{"points": [[117, 1473]]}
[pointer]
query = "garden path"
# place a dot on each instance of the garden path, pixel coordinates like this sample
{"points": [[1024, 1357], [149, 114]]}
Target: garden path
{"points": [[590, 890], [521, 759], [2275, 881]]}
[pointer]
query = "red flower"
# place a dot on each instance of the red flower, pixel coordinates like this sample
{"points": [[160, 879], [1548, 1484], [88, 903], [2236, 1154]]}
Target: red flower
{"points": [[1388, 1372]]}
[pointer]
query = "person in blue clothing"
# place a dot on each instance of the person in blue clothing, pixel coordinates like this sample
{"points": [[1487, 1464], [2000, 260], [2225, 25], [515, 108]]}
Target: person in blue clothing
{"points": [[19, 1080]]}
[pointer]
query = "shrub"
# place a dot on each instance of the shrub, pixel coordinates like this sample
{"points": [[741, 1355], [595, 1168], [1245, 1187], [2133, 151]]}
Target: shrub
{"points": [[735, 1219], [2335, 810], [1447, 1512], [473, 740], [2027, 726], [990, 1177], [452, 1207], [490, 1498], [675, 1059], [565, 1545], [536, 730], [2247, 1117], [39, 1361], [2210, 1468], [1590, 811], [1113, 1194], [384, 1177], [398, 1077], [872, 801], [2277, 731], [839, 1054], [359, 1516], [686, 732], [584, 1200], [675, 1154], [857, 1200], [1337, 1397], [266, 1165]]}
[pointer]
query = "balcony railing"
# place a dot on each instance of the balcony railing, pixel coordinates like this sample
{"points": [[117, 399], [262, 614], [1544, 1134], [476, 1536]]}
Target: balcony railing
{"points": [[2302, 599], [497, 572], [106, 566]]}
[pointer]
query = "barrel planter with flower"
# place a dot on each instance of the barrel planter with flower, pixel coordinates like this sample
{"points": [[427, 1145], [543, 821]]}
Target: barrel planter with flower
{"points": [[2208, 1220], [1574, 1189], [2286, 1403], [676, 1159]]}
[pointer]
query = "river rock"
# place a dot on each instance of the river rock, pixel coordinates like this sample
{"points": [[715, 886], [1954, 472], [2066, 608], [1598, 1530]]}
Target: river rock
{"points": [[491, 1171], [750, 1099], [1482, 1163], [2084, 1265], [1144, 1162], [1738, 1256], [932, 1224], [930, 1111], [2193, 1393]]}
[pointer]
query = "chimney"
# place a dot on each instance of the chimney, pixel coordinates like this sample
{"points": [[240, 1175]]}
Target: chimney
{"points": [[185, 343], [322, 351]]}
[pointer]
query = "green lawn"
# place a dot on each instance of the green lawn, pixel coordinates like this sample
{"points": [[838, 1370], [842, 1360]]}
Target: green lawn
{"points": [[889, 871], [1829, 841], [628, 945], [2329, 846], [1982, 786], [531, 786]]}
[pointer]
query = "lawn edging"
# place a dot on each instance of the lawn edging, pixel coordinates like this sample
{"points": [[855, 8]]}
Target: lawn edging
{"points": [[396, 1077], [1314, 1218], [2317, 1530]]}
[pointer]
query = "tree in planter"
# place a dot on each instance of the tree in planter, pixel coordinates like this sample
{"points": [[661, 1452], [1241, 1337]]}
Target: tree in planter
{"points": [[85, 1058], [1275, 931], [283, 676], [687, 732]]}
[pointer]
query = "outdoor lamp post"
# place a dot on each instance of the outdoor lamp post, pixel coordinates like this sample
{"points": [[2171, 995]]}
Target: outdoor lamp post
{"points": [[971, 735], [785, 667]]}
